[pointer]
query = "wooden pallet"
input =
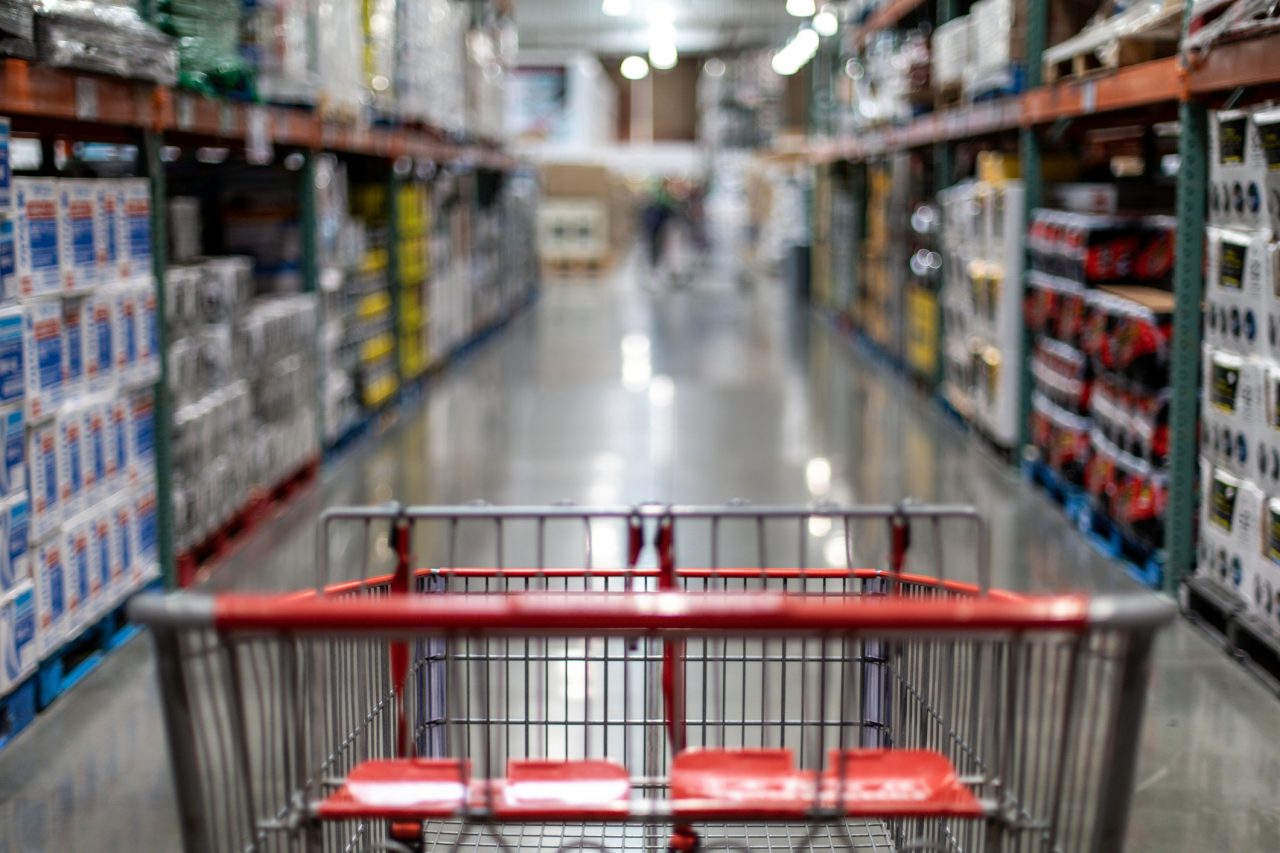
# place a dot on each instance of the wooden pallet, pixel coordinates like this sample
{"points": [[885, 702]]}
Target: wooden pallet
{"points": [[577, 267], [1223, 618], [1139, 35], [262, 506]]}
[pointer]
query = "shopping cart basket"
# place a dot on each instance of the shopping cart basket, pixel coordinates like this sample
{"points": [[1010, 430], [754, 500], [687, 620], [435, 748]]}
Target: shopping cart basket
{"points": [[650, 678]]}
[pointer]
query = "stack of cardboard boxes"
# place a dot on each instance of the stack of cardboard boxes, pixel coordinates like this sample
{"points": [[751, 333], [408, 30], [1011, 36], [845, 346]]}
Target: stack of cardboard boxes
{"points": [[1240, 410], [79, 351], [584, 216]]}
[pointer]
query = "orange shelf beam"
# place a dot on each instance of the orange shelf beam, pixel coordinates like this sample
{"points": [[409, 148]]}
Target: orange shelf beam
{"points": [[51, 93], [1244, 63], [1155, 82]]}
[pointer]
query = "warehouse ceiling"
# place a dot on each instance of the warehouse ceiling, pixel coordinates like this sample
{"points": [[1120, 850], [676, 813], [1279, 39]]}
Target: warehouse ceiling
{"points": [[701, 25]]}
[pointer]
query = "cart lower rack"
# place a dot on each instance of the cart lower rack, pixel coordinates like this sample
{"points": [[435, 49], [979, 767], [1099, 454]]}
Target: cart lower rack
{"points": [[653, 707]]}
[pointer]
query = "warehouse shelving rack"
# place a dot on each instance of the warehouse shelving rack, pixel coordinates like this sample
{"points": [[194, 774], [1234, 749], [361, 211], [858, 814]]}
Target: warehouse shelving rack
{"points": [[1166, 85], [83, 106]]}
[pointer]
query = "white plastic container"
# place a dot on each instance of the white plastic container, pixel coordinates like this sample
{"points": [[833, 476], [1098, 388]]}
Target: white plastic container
{"points": [[39, 237], [42, 356]]}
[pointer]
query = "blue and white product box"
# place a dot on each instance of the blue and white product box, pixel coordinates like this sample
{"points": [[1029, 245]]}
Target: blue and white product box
{"points": [[8, 259], [74, 325], [45, 475], [78, 202], [95, 448], [15, 525], [13, 446], [135, 229], [148, 320], [71, 465], [38, 237], [77, 557], [126, 533], [42, 356], [146, 521], [119, 457], [19, 651], [99, 340], [6, 172], [107, 198], [13, 378], [100, 557], [54, 602], [142, 434], [126, 332]]}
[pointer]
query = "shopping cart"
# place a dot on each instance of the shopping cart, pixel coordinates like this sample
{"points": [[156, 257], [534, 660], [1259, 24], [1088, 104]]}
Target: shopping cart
{"points": [[653, 678]]}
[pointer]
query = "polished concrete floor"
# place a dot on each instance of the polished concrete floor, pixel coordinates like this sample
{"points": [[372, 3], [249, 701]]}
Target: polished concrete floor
{"points": [[614, 393]]}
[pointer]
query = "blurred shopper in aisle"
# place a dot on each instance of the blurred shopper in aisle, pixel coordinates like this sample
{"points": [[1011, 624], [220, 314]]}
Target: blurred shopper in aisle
{"points": [[659, 208]]}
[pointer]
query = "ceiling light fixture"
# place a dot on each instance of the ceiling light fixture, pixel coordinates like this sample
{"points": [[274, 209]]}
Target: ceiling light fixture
{"points": [[663, 55], [826, 23], [801, 8], [616, 8], [796, 53], [634, 68]]}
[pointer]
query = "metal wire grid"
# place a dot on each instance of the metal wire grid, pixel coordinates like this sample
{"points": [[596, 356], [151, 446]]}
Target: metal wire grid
{"points": [[270, 718]]}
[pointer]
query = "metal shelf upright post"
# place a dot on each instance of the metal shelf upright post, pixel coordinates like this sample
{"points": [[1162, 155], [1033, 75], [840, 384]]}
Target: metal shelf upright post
{"points": [[942, 171], [1033, 188], [1188, 287], [152, 167]]}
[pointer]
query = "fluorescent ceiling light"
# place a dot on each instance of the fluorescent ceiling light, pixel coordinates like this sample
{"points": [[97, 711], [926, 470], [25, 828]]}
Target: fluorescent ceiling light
{"points": [[826, 23], [660, 13], [635, 68], [801, 8], [616, 8]]}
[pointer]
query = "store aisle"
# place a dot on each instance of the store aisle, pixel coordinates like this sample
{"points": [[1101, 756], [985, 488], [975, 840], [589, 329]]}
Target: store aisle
{"points": [[613, 394]]}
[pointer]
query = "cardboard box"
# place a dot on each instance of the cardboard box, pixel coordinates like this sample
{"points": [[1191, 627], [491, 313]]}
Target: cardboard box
{"points": [[19, 649], [15, 524], [101, 558], [46, 478], [575, 180], [126, 543], [13, 451], [78, 206], [75, 321], [148, 324], [142, 434], [1238, 274], [13, 378], [42, 356], [1231, 529], [100, 336], [97, 481], [6, 173], [126, 332], [135, 229], [146, 520], [1230, 415], [77, 553], [71, 462], [118, 444], [39, 237], [53, 596], [107, 239]]}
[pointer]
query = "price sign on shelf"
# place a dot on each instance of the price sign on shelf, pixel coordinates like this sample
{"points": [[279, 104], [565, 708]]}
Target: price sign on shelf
{"points": [[258, 147], [186, 112], [86, 99], [1089, 97]]}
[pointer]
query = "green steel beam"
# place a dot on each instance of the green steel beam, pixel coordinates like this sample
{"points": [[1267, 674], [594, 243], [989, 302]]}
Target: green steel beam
{"points": [[1033, 187], [309, 226], [1188, 286], [152, 167]]}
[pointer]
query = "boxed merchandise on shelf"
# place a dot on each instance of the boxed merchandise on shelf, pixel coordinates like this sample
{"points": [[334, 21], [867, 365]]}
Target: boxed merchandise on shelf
{"points": [[1231, 535], [104, 37], [19, 649], [982, 248]]}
